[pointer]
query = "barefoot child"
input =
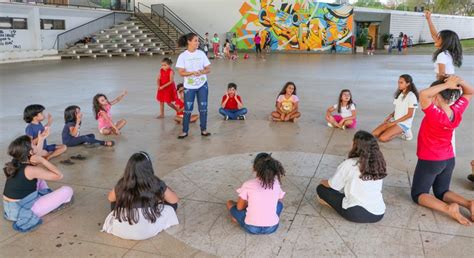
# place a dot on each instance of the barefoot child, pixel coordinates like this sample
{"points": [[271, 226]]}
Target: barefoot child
{"points": [[142, 204], [435, 150], [231, 105], [166, 89], [26, 196], [259, 205], [33, 115], [346, 112], [287, 104], [399, 121], [101, 107], [355, 190], [179, 103], [72, 127]]}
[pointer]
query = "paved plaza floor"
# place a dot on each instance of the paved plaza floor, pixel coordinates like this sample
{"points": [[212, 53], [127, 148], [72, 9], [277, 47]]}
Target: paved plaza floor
{"points": [[206, 171]]}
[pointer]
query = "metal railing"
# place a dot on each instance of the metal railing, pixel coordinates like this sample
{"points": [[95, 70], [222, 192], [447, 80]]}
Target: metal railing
{"points": [[118, 5], [163, 11], [87, 29], [146, 14]]}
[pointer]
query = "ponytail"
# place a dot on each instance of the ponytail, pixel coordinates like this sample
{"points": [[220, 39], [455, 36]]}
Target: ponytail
{"points": [[183, 40], [19, 149], [267, 168]]}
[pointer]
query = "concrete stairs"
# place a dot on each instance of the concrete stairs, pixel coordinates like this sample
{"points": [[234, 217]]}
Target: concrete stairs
{"points": [[129, 38]]}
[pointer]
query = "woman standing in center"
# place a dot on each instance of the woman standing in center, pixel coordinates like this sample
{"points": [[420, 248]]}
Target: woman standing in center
{"points": [[193, 65]]}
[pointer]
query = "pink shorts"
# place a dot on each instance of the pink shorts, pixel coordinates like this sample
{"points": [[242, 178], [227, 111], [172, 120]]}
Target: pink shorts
{"points": [[338, 118]]}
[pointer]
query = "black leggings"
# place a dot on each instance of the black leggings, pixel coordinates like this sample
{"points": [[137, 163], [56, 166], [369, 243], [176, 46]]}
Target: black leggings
{"points": [[258, 48], [429, 173], [89, 138], [355, 214], [173, 205]]}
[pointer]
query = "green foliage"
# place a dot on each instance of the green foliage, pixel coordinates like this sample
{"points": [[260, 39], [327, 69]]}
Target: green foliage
{"points": [[362, 38], [453, 7], [369, 3], [385, 38]]}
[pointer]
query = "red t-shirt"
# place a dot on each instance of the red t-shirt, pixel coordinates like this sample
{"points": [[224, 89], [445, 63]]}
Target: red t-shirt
{"points": [[179, 105], [231, 103], [436, 131]]}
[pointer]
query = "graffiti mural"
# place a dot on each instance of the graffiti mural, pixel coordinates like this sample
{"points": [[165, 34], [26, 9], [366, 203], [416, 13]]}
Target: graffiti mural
{"points": [[295, 25]]}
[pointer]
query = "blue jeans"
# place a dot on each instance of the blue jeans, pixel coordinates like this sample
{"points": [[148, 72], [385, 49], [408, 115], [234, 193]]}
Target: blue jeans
{"points": [[233, 113], [189, 95], [240, 217], [89, 138]]}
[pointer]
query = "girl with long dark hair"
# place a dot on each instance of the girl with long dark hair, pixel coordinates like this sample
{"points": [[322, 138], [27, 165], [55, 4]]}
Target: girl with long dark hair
{"points": [[448, 52], [193, 65], [143, 205], [443, 106], [345, 112], [360, 177], [399, 122], [101, 107], [26, 196], [259, 205], [287, 104]]}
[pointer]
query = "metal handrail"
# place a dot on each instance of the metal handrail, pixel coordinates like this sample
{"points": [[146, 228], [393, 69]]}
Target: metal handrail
{"points": [[167, 10], [57, 41], [162, 36]]}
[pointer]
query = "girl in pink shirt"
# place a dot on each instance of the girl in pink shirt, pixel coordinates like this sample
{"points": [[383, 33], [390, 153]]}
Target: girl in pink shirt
{"points": [[102, 106], [435, 150], [259, 206]]}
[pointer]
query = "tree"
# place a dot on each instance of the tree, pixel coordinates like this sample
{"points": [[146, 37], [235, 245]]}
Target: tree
{"points": [[369, 3]]}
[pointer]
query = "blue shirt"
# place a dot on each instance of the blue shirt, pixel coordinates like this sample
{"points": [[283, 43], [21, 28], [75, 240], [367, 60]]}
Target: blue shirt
{"points": [[66, 134], [33, 130]]}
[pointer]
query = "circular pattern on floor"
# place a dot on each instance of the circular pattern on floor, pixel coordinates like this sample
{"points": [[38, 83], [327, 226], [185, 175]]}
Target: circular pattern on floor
{"points": [[206, 185]]}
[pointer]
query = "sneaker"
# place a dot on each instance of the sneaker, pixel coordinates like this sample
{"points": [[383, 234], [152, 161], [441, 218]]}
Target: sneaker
{"points": [[408, 136], [471, 177], [226, 118], [242, 117], [330, 125]]}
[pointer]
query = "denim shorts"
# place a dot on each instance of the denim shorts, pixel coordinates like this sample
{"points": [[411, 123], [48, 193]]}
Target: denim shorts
{"points": [[404, 127], [256, 230]]}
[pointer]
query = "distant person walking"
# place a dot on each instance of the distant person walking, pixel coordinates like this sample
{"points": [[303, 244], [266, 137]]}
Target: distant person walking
{"points": [[257, 39], [399, 42]]}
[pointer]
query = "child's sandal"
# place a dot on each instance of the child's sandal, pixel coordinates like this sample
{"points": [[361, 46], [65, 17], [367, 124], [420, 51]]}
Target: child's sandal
{"points": [[66, 162], [205, 134], [78, 157], [109, 143]]}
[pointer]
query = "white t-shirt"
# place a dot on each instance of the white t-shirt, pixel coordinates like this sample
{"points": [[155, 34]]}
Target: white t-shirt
{"points": [[346, 112], [402, 104], [143, 229], [193, 62], [446, 59], [367, 194]]}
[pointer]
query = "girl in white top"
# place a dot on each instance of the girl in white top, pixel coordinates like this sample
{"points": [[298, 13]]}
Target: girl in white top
{"points": [[448, 52], [346, 112], [142, 204], [355, 191], [399, 122], [193, 65]]}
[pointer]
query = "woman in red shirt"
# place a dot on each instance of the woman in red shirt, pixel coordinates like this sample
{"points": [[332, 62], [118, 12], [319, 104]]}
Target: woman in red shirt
{"points": [[435, 151]]}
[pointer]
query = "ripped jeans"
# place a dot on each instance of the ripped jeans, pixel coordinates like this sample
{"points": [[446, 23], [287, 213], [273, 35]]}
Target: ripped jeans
{"points": [[189, 95]]}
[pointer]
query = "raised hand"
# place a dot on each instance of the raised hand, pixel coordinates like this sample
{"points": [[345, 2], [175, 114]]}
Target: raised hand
{"points": [[50, 119], [453, 82], [428, 14]]}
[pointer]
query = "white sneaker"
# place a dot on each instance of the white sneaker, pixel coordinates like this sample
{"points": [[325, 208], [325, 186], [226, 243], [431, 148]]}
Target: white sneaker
{"points": [[330, 125], [408, 136]]}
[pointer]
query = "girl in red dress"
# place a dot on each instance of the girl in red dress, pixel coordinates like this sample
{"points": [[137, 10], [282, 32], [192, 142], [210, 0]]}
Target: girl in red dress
{"points": [[166, 88]]}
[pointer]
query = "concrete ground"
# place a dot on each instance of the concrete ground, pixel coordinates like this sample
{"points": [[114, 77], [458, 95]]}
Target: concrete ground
{"points": [[206, 171]]}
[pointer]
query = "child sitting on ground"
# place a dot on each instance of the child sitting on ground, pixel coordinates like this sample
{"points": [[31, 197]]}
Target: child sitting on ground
{"points": [[259, 206], [179, 104], [399, 121], [101, 107], [142, 204], [360, 179], [33, 115], [287, 104], [231, 105], [71, 131], [346, 112], [26, 196]]}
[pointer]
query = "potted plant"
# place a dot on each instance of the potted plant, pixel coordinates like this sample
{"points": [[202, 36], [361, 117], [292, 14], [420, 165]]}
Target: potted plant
{"points": [[361, 41], [386, 41]]}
